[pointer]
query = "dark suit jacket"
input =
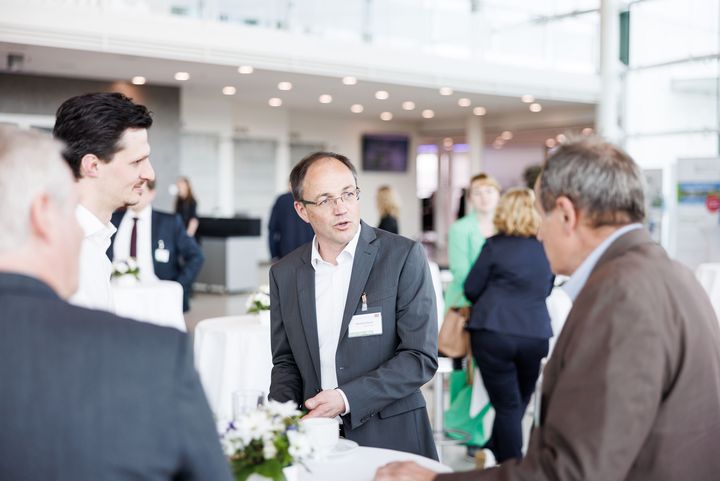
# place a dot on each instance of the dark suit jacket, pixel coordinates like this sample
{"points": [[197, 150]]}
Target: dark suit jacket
{"points": [[632, 389], [287, 231], [186, 257], [508, 285], [380, 375], [89, 396]]}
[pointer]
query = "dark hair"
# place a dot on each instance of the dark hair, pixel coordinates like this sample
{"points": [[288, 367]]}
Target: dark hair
{"points": [[530, 175], [297, 176], [93, 124], [599, 178]]}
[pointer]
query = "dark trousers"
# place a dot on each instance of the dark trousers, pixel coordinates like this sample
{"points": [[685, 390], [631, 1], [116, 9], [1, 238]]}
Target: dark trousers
{"points": [[509, 366]]}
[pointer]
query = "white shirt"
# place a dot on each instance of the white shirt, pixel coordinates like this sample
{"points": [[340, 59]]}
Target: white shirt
{"points": [[95, 267], [578, 278], [121, 246], [332, 283]]}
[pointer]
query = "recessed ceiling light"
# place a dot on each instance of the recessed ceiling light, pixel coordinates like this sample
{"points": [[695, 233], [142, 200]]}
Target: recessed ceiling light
{"points": [[245, 69], [428, 114], [408, 105], [182, 76], [448, 142], [446, 91], [356, 108], [464, 102], [382, 95], [138, 80], [535, 107], [229, 90], [284, 86], [550, 143], [480, 111], [349, 80], [386, 116], [325, 99], [498, 145], [506, 135], [587, 131], [275, 102], [527, 98], [560, 138]]}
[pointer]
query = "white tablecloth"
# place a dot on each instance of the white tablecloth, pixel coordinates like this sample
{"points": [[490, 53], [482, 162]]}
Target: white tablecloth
{"points": [[157, 302], [232, 353], [361, 463]]}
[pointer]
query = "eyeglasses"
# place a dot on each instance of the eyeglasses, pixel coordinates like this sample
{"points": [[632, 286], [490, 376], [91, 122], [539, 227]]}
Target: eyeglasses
{"points": [[329, 202]]}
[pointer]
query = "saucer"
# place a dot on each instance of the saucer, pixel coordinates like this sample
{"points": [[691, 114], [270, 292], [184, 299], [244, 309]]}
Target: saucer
{"points": [[343, 447]]}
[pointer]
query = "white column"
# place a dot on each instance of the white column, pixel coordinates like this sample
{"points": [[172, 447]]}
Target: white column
{"points": [[226, 175], [606, 119], [475, 139], [282, 164]]}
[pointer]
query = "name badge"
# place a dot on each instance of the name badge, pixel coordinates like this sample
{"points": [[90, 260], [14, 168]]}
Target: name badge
{"points": [[362, 325], [161, 253]]}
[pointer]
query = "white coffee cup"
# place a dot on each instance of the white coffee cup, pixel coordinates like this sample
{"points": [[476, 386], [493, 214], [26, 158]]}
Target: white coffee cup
{"points": [[323, 433]]}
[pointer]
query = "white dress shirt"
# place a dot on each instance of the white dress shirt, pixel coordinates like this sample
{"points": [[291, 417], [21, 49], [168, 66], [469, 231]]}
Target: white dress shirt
{"points": [[332, 283], [121, 246], [95, 267]]}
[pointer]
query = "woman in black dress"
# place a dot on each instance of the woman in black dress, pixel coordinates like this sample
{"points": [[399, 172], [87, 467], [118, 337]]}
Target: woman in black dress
{"points": [[389, 208], [186, 206]]}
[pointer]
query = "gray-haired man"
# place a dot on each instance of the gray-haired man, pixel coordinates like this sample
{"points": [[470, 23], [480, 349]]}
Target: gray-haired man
{"points": [[632, 390]]}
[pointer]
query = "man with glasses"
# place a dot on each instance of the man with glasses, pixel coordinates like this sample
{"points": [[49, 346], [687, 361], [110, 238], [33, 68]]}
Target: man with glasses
{"points": [[354, 328]]}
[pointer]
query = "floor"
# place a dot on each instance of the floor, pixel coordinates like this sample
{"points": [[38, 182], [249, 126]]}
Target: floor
{"points": [[204, 306]]}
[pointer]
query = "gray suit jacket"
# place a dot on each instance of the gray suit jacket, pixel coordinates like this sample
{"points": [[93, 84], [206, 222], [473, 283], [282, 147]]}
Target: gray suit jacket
{"points": [[632, 390], [380, 375], [88, 396]]}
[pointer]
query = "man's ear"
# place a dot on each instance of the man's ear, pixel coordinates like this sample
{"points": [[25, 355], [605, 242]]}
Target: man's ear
{"points": [[89, 165], [301, 211], [566, 208], [41, 218]]}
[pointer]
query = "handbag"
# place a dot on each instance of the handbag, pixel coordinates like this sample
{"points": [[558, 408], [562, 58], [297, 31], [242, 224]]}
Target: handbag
{"points": [[453, 339]]}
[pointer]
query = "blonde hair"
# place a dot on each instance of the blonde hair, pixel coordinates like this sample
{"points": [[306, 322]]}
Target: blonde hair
{"points": [[516, 215], [387, 201], [484, 179]]}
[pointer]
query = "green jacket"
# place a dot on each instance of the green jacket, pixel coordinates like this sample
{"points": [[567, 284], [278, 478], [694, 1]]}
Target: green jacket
{"points": [[464, 244]]}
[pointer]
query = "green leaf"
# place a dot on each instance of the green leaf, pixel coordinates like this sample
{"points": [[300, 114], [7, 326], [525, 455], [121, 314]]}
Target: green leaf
{"points": [[271, 469]]}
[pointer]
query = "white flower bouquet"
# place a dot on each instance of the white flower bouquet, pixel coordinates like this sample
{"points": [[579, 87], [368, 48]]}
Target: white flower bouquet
{"points": [[259, 301], [127, 267], [265, 441]]}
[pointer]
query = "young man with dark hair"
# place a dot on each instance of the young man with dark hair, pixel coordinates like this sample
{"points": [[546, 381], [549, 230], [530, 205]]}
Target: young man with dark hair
{"points": [[106, 146]]}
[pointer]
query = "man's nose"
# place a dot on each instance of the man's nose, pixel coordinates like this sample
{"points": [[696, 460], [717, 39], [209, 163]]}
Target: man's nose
{"points": [[147, 172]]}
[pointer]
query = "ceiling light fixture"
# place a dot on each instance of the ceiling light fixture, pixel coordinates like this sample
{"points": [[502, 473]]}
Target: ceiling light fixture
{"points": [[386, 116], [325, 99], [275, 102], [408, 105], [464, 102], [245, 69], [587, 131], [138, 80], [356, 108], [428, 114], [480, 111], [535, 107], [229, 90], [349, 80], [550, 143], [382, 95], [506, 135], [560, 138], [182, 76], [284, 86], [527, 98], [446, 91]]}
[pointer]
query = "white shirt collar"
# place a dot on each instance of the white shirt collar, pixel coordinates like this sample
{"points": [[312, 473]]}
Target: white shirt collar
{"points": [[91, 225], [578, 278], [347, 253], [144, 214]]}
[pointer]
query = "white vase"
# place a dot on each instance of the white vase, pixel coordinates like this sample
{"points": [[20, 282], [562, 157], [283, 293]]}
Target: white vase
{"points": [[264, 317], [291, 474], [126, 280]]}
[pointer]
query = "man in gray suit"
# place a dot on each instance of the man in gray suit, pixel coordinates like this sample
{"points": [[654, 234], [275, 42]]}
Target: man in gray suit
{"points": [[85, 395], [632, 390], [354, 328]]}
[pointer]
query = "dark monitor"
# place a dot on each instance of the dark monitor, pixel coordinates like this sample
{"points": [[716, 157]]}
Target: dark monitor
{"points": [[385, 152]]}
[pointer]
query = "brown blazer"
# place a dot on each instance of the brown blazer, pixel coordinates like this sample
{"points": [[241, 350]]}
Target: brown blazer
{"points": [[632, 390]]}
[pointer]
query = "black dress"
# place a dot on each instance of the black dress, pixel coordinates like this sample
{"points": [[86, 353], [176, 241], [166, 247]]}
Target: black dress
{"points": [[389, 223]]}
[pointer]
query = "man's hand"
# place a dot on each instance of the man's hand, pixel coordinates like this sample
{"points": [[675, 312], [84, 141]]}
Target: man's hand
{"points": [[326, 404], [404, 471]]}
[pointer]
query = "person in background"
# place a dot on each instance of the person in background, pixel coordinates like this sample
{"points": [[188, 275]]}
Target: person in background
{"points": [[186, 206], [86, 395], [163, 249], [509, 322], [286, 230], [106, 146], [632, 389], [465, 240], [530, 175], [389, 208]]}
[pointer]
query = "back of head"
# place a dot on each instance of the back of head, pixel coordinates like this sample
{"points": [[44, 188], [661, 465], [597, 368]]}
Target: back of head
{"points": [[297, 176], [94, 123], [30, 164], [387, 201], [516, 215], [600, 179]]}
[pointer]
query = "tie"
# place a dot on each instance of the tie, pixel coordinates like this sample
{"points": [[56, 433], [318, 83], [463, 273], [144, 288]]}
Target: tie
{"points": [[133, 239]]}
